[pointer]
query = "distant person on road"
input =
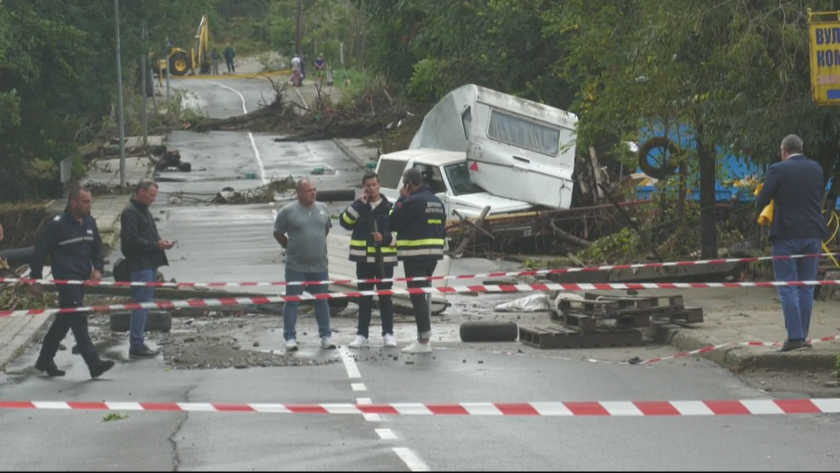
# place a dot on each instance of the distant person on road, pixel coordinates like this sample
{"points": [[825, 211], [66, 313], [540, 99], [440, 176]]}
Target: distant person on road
{"points": [[230, 53], [301, 228], [297, 77], [216, 57], [419, 218], [1, 232], [73, 242], [796, 186], [367, 218], [144, 252]]}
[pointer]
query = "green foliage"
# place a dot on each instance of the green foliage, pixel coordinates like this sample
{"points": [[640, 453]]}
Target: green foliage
{"points": [[355, 82], [58, 76]]}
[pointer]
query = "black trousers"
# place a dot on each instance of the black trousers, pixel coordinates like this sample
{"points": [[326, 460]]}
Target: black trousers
{"points": [[69, 296], [386, 303], [417, 267]]}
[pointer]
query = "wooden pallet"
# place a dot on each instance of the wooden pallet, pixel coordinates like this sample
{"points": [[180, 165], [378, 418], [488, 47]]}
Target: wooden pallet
{"points": [[626, 311], [588, 323], [555, 337], [649, 304]]}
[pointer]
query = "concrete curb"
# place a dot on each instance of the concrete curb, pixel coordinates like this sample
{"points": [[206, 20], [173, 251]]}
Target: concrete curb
{"points": [[16, 348], [740, 358]]}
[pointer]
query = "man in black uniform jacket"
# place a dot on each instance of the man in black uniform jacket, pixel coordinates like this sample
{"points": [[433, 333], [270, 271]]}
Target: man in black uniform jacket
{"points": [[76, 252], [419, 220]]}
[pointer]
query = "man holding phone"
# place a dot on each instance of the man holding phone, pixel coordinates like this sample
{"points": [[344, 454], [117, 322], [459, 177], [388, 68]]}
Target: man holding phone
{"points": [[373, 248], [144, 252]]}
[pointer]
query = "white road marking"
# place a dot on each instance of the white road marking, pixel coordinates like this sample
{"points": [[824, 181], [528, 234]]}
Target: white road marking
{"points": [[411, 460], [250, 135], [386, 434], [350, 365]]}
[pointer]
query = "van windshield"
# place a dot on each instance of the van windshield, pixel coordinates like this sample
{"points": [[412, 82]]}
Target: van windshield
{"points": [[459, 179]]}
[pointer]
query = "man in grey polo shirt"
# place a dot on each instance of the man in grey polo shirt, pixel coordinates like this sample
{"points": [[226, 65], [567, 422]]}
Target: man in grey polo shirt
{"points": [[301, 228]]}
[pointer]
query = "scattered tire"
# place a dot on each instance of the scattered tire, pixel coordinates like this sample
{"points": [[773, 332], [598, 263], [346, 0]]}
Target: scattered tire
{"points": [[668, 166], [489, 332], [157, 321]]}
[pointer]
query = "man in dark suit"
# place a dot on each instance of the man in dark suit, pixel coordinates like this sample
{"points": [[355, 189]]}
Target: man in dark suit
{"points": [[796, 184]]}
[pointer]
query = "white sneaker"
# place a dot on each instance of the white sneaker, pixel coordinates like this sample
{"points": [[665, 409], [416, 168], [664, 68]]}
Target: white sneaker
{"points": [[390, 341], [417, 347], [291, 345], [327, 344], [359, 342]]}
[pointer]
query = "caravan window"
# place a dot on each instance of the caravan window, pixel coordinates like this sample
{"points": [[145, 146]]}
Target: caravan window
{"points": [[390, 172], [523, 133], [466, 122]]}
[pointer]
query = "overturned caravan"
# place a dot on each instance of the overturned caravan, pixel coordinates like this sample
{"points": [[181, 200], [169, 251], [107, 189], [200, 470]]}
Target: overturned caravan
{"points": [[515, 148]]}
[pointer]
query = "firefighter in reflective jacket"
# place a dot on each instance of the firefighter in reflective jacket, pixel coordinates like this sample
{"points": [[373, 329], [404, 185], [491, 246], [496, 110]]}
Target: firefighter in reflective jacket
{"points": [[419, 218], [373, 248]]}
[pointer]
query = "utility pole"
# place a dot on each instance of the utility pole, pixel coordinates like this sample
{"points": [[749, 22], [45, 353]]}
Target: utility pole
{"points": [[298, 26], [144, 69], [166, 55], [120, 96]]}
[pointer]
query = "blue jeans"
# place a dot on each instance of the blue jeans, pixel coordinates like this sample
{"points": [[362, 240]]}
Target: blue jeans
{"points": [[290, 309], [797, 302], [137, 326]]}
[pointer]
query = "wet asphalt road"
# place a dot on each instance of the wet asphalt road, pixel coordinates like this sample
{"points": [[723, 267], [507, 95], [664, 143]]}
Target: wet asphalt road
{"points": [[78, 440]]}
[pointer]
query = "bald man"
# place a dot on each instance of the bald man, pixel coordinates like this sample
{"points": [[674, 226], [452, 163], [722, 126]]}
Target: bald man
{"points": [[301, 228]]}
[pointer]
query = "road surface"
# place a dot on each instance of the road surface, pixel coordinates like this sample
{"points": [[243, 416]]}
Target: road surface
{"points": [[233, 243]]}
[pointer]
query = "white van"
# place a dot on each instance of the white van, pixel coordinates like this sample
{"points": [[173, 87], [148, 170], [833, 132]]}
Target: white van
{"points": [[447, 176]]}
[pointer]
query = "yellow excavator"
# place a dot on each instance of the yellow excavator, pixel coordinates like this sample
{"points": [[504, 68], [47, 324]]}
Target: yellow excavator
{"points": [[180, 62]]}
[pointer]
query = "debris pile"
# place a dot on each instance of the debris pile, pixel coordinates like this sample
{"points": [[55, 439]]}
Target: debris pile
{"points": [[172, 160]]}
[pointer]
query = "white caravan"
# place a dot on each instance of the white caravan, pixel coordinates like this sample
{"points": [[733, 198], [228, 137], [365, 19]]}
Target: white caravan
{"points": [[515, 148]]}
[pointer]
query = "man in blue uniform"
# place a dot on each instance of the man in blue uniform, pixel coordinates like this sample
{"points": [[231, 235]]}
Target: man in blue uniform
{"points": [[75, 248], [419, 218], [372, 240]]}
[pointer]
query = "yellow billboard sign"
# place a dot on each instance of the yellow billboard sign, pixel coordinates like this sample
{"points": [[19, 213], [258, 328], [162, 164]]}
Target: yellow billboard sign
{"points": [[824, 32]]}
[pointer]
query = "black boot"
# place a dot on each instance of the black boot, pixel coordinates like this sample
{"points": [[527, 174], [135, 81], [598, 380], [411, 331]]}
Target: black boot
{"points": [[49, 367], [99, 367]]}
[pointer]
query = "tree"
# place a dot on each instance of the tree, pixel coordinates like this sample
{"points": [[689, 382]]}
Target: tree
{"points": [[58, 76]]}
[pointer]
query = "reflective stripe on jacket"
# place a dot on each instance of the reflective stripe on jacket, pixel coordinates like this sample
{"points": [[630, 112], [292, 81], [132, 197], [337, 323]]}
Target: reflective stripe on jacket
{"points": [[420, 220], [358, 217]]}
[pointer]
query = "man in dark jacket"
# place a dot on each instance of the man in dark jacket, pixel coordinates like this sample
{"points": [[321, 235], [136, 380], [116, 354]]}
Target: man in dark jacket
{"points": [[367, 218], [796, 185], [230, 53], [75, 248], [419, 219], [143, 250]]}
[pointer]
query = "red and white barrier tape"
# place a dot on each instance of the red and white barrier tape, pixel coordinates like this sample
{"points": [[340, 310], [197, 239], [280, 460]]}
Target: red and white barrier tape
{"points": [[347, 282], [502, 288], [543, 409]]}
